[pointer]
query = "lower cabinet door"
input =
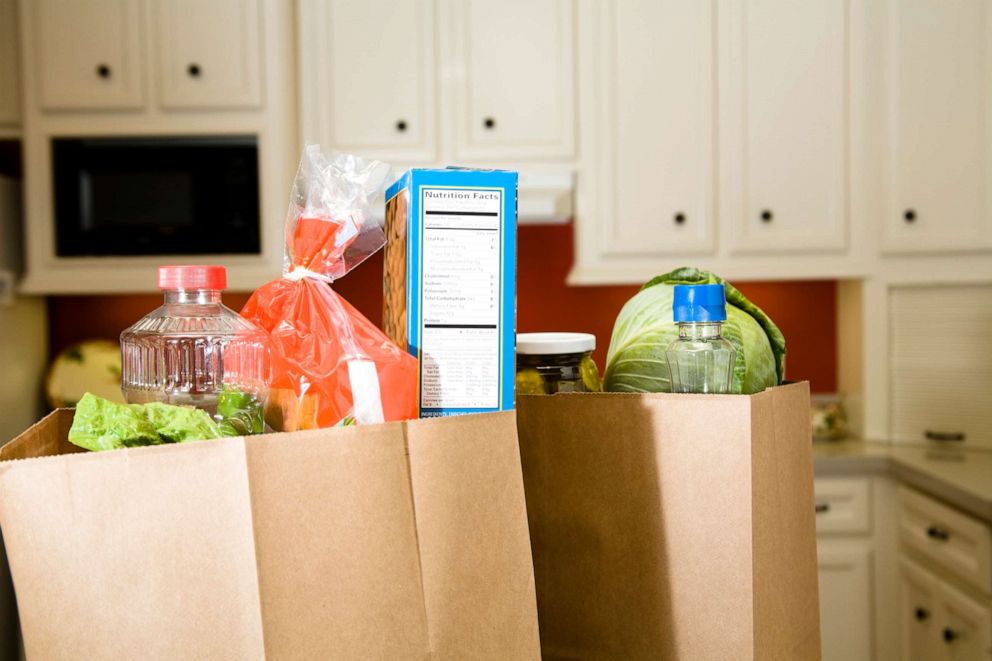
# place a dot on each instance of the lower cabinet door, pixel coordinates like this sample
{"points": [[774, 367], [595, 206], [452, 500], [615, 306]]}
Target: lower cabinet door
{"points": [[965, 632], [845, 571], [918, 616]]}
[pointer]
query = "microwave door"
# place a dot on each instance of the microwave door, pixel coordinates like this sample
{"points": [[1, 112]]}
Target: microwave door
{"points": [[118, 197]]}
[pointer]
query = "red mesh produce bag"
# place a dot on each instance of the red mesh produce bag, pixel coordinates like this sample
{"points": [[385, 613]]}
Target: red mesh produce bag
{"points": [[329, 364]]}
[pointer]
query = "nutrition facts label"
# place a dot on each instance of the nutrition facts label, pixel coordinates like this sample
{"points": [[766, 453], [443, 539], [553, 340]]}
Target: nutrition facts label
{"points": [[460, 297]]}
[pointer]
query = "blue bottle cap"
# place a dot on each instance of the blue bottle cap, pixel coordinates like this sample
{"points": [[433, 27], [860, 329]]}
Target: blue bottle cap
{"points": [[699, 303]]}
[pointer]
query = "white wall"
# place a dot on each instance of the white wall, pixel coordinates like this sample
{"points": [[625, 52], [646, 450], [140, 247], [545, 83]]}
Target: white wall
{"points": [[23, 357]]}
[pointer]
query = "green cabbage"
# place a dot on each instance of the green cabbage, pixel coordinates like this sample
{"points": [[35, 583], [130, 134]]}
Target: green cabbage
{"points": [[644, 328]]}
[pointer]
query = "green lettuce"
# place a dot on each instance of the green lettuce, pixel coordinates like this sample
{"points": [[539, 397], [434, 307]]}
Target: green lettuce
{"points": [[241, 413], [100, 424], [176, 424], [644, 328]]}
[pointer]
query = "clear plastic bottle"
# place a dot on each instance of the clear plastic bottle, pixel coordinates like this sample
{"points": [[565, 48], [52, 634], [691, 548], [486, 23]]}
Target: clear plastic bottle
{"points": [[700, 360], [193, 350]]}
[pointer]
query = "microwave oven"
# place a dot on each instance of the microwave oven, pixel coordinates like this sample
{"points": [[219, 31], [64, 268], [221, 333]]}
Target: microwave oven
{"points": [[146, 196]]}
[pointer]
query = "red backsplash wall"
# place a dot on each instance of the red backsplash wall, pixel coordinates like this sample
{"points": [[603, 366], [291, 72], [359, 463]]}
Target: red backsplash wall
{"points": [[805, 311]]}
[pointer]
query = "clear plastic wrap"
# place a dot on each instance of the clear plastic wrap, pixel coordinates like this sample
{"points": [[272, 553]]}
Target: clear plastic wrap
{"points": [[329, 364]]}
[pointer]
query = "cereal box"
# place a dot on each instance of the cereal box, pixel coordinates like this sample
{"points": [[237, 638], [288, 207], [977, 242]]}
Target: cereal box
{"points": [[450, 285]]}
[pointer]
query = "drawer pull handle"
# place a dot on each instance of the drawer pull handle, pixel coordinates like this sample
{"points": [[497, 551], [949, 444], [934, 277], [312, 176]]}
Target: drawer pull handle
{"points": [[822, 508], [933, 532], [949, 634], [921, 613], [944, 436]]}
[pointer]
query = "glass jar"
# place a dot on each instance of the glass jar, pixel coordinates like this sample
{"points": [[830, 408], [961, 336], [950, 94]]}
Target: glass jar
{"points": [[195, 351], [556, 362]]}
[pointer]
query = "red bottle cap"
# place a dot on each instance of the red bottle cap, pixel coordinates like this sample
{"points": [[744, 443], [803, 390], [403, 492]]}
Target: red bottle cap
{"points": [[192, 277]]}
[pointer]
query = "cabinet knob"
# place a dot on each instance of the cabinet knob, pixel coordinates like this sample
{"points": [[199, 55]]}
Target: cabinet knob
{"points": [[949, 635], [679, 218], [933, 532], [489, 123], [822, 508], [193, 70], [103, 71], [921, 613], [909, 215], [766, 215], [401, 125]]}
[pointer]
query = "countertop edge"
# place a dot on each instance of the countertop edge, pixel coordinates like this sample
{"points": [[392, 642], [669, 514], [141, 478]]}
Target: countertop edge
{"points": [[966, 501]]}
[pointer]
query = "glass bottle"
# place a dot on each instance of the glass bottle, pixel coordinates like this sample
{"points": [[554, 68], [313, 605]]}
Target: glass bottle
{"points": [[700, 360]]}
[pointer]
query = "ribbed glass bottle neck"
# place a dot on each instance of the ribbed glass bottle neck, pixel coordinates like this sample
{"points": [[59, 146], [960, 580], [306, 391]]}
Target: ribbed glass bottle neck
{"points": [[197, 296], [699, 330]]}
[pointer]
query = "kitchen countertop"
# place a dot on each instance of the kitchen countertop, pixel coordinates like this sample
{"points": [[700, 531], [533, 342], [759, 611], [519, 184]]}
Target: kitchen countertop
{"points": [[962, 478]]}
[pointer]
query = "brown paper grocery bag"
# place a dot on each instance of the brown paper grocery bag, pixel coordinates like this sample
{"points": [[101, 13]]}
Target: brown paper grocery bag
{"points": [[672, 526], [395, 541]]}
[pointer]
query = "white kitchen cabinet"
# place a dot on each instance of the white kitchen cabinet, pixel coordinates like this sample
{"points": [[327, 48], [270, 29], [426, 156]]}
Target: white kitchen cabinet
{"points": [[144, 42], [856, 551], [844, 569], [936, 397], [772, 196], [431, 81], [966, 626], [208, 53], [937, 120], [654, 89], [515, 67], [940, 621], [946, 537], [86, 53], [843, 505], [10, 84], [917, 612], [368, 77], [783, 118]]}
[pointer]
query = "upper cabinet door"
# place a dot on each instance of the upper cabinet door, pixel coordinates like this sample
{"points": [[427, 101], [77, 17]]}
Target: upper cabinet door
{"points": [[784, 124], [368, 77], [515, 66], [87, 52], [10, 86], [654, 96], [208, 53], [937, 113]]}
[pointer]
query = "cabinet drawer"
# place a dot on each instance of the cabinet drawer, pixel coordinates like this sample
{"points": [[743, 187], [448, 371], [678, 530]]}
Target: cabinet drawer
{"points": [[843, 505], [953, 540]]}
